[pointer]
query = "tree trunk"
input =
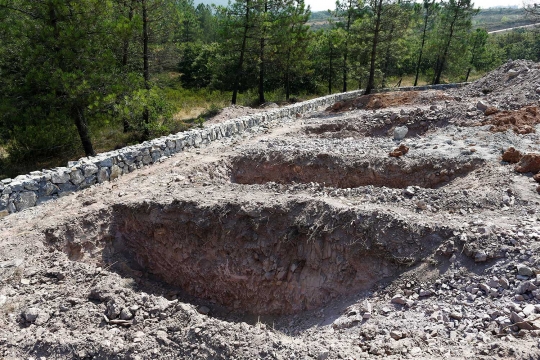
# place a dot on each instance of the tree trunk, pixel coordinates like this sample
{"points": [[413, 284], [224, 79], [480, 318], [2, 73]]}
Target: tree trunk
{"points": [[125, 54], [346, 49], [446, 49], [261, 58], [387, 56], [241, 60], [125, 50], [261, 73], [421, 48], [146, 68], [330, 71], [287, 76], [468, 73], [82, 128], [371, 80]]}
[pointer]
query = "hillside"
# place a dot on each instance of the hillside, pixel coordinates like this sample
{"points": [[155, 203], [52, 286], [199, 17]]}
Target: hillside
{"points": [[490, 19]]}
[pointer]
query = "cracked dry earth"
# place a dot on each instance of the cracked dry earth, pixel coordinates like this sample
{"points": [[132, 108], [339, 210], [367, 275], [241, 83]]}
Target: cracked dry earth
{"points": [[301, 239]]}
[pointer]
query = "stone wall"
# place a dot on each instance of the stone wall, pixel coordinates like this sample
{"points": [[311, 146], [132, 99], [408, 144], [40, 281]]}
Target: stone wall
{"points": [[35, 188]]}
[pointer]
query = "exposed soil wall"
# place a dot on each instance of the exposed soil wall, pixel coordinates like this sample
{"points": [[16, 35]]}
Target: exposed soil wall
{"points": [[347, 172], [270, 259]]}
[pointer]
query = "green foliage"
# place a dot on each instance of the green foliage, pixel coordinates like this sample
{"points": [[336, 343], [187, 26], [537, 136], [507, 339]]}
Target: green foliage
{"points": [[159, 109], [85, 73]]}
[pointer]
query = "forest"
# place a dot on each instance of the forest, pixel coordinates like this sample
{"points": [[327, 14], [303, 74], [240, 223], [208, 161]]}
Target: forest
{"points": [[79, 77]]}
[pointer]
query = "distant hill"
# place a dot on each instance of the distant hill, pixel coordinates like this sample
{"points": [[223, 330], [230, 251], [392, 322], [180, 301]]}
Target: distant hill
{"points": [[490, 19], [501, 18]]}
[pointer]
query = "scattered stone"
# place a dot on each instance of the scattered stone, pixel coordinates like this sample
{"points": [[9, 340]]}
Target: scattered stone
{"points": [[400, 132], [323, 355], [204, 310], [399, 299], [35, 316], [399, 151], [409, 191], [480, 256], [482, 106], [524, 270]]}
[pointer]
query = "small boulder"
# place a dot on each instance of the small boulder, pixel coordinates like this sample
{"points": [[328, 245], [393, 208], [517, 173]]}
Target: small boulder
{"points": [[480, 256], [524, 270], [512, 73], [400, 132], [529, 163], [482, 106], [36, 316], [512, 155], [398, 299]]}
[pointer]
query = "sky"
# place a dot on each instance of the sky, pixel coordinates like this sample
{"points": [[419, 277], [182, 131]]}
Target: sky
{"points": [[321, 5]]}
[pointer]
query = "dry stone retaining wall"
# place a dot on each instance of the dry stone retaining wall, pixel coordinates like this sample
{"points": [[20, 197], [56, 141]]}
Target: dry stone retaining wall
{"points": [[35, 188]]}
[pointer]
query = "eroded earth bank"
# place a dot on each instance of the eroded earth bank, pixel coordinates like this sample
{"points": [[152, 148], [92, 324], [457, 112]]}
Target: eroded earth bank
{"points": [[398, 225]]}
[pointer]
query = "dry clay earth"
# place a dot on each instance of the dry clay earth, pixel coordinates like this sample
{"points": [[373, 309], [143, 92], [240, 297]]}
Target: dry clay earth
{"points": [[302, 239]]}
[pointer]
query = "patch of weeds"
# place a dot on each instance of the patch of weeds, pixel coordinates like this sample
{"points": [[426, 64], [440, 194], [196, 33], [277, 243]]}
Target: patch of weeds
{"points": [[199, 122]]}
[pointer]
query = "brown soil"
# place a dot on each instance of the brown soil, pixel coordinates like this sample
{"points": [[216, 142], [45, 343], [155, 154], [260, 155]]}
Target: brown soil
{"points": [[399, 151], [272, 259], [345, 172], [521, 121], [385, 100], [512, 155], [529, 163]]}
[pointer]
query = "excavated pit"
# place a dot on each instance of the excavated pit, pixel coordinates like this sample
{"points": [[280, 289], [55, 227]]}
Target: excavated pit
{"points": [[360, 129], [348, 172], [279, 256]]}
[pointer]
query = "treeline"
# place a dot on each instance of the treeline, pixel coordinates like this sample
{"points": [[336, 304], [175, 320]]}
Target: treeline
{"points": [[70, 69], [67, 66], [266, 44]]}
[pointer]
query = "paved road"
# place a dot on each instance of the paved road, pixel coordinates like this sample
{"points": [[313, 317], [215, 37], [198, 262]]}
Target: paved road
{"points": [[512, 28]]}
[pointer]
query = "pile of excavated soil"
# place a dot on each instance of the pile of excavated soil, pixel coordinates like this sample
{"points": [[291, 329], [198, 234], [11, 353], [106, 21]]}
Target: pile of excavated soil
{"points": [[522, 121], [511, 86], [385, 100], [306, 238]]}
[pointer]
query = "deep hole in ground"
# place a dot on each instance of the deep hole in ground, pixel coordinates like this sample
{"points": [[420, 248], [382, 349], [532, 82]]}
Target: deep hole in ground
{"points": [[359, 128], [347, 172], [269, 257]]}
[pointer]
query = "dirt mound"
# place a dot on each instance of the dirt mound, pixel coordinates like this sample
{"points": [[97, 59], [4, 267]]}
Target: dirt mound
{"points": [[529, 163], [512, 155], [376, 101], [517, 79], [388, 99], [521, 121]]}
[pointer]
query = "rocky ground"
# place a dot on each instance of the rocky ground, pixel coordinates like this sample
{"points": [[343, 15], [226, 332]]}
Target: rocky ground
{"points": [[387, 226]]}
